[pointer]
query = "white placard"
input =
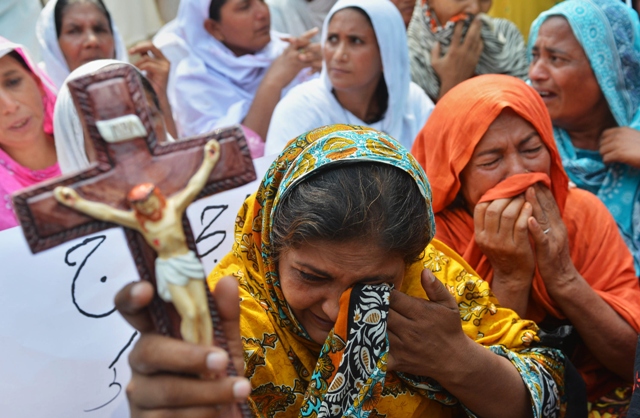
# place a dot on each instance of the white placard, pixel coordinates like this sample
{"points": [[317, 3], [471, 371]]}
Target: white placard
{"points": [[63, 347]]}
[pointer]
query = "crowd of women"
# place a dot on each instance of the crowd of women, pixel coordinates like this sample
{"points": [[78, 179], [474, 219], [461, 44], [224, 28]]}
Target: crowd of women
{"points": [[450, 225]]}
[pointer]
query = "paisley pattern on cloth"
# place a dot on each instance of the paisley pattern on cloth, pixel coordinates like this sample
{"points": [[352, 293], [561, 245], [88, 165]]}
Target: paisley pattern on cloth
{"points": [[609, 33], [293, 376], [356, 384]]}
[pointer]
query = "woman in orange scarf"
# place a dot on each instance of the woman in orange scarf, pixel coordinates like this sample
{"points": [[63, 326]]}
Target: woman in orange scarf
{"points": [[551, 253]]}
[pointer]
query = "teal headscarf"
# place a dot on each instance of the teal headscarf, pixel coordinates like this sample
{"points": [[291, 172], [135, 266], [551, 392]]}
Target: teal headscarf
{"points": [[609, 32]]}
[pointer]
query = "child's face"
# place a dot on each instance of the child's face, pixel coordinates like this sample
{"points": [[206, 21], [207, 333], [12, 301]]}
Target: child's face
{"points": [[446, 9]]}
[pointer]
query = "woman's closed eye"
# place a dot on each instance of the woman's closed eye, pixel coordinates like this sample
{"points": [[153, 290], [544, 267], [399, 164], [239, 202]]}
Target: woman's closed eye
{"points": [[311, 278], [488, 163], [533, 150]]}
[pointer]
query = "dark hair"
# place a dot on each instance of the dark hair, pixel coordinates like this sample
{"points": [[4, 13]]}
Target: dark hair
{"points": [[378, 106], [372, 202], [21, 61], [214, 9], [61, 5]]}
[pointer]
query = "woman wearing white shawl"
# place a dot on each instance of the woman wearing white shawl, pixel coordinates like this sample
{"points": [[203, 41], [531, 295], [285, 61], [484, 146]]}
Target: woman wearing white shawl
{"points": [[74, 150], [53, 60], [314, 104], [219, 82], [295, 17]]}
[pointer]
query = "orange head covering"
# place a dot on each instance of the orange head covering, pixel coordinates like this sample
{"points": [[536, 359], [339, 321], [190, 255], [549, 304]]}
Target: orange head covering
{"points": [[444, 147], [459, 122]]}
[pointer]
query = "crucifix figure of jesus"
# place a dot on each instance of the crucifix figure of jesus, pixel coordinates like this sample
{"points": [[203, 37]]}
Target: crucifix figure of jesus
{"points": [[128, 174], [179, 274]]}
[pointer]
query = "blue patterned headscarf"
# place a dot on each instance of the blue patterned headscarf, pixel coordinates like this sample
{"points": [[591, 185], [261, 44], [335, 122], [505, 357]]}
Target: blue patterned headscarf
{"points": [[609, 32]]}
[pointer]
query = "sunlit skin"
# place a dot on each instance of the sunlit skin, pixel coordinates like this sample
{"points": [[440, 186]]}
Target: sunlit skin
{"points": [[446, 9], [353, 61], [560, 71], [314, 276], [244, 26], [22, 116], [510, 146], [85, 35]]}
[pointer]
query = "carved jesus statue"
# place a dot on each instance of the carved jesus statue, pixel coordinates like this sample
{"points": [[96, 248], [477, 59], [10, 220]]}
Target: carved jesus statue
{"points": [[179, 274]]}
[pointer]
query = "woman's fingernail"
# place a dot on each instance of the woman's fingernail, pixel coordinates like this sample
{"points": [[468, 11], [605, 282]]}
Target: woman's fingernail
{"points": [[137, 290], [241, 389], [217, 360]]}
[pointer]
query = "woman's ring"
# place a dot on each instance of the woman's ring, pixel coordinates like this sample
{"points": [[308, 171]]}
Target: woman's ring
{"points": [[546, 231]]}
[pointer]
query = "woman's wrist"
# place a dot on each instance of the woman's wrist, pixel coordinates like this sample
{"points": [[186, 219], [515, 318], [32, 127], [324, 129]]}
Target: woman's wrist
{"points": [[457, 364], [563, 283], [513, 282]]}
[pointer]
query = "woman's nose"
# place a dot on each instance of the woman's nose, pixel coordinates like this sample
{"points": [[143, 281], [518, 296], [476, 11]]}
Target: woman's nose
{"points": [[91, 39], [7, 103], [331, 306], [473, 7], [538, 70], [262, 11], [516, 166], [341, 52]]}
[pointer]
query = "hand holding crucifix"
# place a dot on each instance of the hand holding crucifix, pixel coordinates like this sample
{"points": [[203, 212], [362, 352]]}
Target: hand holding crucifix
{"points": [[179, 274], [124, 181]]}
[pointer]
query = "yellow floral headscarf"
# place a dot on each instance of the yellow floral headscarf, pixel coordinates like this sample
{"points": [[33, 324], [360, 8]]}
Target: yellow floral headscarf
{"points": [[292, 375]]}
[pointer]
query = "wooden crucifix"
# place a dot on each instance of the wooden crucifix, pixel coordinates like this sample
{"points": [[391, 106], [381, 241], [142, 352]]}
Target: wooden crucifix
{"points": [[115, 114]]}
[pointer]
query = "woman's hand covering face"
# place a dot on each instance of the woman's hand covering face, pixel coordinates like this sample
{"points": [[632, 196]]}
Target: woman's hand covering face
{"points": [[501, 230], [460, 61], [549, 233], [425, 335], [170, 377]]}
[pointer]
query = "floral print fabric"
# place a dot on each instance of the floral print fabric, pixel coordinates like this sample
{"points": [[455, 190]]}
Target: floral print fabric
{"points": [[346, 376]]}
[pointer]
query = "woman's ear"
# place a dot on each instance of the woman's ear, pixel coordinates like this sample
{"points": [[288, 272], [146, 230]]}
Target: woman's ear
{"points": [[213, 28]]}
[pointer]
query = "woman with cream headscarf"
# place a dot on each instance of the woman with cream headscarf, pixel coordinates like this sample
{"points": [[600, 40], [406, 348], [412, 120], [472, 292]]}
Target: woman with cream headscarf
{"points": [[295, 17], [228, 67], [62, 54], [364, 83], [75, 151]]}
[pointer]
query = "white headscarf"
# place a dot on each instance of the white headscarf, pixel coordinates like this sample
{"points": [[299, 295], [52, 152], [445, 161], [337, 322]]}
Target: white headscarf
{"points": [[67, 128], [313, 104], [53, 62], [295, 17], [211, 87]]}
